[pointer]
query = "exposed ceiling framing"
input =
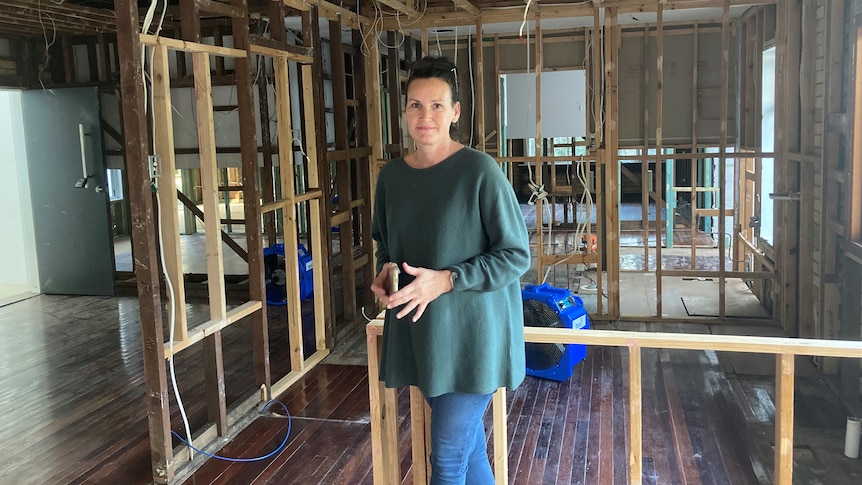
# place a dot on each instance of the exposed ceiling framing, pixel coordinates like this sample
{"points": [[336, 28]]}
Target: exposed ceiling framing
{"points": [[49, 18]]}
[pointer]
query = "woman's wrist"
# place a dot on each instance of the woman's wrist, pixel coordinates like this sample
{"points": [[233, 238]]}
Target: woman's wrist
{"points": [[452, 277]]}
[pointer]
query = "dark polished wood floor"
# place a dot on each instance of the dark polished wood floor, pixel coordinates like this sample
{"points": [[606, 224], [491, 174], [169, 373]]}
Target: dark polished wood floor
{"points": [[71, 401]]}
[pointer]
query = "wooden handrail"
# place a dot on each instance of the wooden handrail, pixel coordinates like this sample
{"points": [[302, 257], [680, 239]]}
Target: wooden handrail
{"points": [[384, 438]]}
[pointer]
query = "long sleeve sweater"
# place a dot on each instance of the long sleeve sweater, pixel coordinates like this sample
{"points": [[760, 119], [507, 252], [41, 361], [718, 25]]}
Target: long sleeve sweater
{"points": [[460, 214]]}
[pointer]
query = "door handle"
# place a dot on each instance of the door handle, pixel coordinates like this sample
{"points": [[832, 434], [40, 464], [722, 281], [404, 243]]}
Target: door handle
{"points": [[82, 182]]}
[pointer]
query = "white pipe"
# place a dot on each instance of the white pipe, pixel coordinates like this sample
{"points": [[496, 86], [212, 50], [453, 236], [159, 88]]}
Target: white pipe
{"points": [[851, 437]]}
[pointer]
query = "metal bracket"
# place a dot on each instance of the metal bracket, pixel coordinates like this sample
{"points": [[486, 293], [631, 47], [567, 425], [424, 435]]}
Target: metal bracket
{"points": [[787, 196], [155, 162]]}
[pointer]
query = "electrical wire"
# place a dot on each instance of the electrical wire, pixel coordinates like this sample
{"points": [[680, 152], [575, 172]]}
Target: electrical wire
{"points": [[171, 291], [246, 460], [173, 321], [47, 44], [587, 203], [524, 22], [472, 89], [362, 310], [456, 45]]}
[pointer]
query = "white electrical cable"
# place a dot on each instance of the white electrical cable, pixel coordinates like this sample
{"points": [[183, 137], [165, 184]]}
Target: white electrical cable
{"points": [[472, 89], [587, 202], [173, 323], [171, 292], [456, 45], [524, 22]]}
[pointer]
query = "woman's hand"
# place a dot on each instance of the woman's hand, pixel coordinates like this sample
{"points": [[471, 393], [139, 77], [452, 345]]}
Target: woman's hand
{"points": [[427, 285]]}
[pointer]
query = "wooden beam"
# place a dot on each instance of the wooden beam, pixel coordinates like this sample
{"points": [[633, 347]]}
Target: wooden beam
{"points": [[805, 287], [611, 162], [264, 50], [267, 192], [299, 5], [318, 179], [784, 386], [538, 161], [213, 357], [334, 12], [225, 237], [501, 455], [223, 9], [211, 327], [467, 6], [344, 177], [193, 47], [787, 249], [644, 180], [143, 239], [289, 214], [209, 182], [682, 341], [214, 383], [393, 69], [835, 158], [722, 182], [420, 443], [384, 420], [405, 8], [658, 177], [635, 425], [163, 132], [698, 273], [854, 222]]}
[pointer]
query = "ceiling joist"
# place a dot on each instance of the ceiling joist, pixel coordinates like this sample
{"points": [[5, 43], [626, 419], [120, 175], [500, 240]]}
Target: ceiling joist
{"points": [[467, 6], [402, 7], [48, 19]]}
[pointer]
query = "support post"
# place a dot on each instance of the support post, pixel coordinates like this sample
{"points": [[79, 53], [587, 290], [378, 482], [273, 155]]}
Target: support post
{"points": [[143, 239]]}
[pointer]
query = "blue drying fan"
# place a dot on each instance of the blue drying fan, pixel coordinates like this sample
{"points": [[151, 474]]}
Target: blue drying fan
{"points": [[275, 277], [549, 307]]}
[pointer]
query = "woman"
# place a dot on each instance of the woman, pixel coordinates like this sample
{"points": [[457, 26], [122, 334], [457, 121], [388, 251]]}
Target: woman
{"points": [[448, 218]]}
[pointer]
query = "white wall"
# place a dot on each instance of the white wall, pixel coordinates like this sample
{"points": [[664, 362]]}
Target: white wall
{"points": [[17, 244]]}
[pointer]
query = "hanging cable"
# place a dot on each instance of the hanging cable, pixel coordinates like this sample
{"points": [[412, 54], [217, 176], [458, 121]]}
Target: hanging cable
{"points": [[246, 460], [524, 22], [472, 88]]}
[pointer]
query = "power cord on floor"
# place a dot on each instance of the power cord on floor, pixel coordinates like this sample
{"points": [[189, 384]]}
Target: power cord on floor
{"points": [[244, 460]]}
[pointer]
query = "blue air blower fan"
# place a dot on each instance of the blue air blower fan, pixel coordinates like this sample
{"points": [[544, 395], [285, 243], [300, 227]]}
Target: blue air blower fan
{"points": [[275, 277], [549, 307]]}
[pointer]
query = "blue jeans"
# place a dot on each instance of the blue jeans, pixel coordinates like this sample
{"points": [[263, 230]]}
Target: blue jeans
{"points": [[458, 450]]}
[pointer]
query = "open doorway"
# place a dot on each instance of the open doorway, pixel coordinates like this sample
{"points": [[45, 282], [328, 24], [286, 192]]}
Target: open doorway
{"points": [[19, 278]]}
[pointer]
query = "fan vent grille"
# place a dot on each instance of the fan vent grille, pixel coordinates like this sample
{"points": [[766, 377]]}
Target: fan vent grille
{"points": [[542, 356]]}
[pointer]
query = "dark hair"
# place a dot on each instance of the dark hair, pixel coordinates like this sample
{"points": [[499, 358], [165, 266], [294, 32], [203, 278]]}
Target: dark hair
{"points": [[435, 67]]}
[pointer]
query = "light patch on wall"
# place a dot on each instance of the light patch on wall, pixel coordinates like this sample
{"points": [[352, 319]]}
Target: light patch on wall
{"points": [[564, 104]]}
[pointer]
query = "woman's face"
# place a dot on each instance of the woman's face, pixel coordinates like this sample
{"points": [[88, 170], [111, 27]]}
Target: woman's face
{"points": [[430, 111]]}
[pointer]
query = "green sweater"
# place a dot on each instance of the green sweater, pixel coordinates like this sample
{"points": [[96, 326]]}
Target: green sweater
{"points": [[461, 215]]}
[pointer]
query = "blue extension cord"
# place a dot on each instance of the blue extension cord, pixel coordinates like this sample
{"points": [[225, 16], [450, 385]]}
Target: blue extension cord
{"points": [[257, 458]]}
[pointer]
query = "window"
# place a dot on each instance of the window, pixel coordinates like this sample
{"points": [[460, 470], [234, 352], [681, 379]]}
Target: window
{"points": [[767, 125], [115, 184]]}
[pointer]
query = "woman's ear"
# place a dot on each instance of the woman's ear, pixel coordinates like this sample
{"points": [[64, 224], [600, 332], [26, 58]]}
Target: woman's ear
{"points": [[457, 109]]}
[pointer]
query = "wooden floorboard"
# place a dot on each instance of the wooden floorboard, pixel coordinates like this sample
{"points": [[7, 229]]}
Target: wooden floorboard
{"points": [[71, 397]]}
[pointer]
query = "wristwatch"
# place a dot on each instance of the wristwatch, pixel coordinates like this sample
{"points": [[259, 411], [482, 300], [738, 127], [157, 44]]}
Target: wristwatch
{"points": [[452, 277]]}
